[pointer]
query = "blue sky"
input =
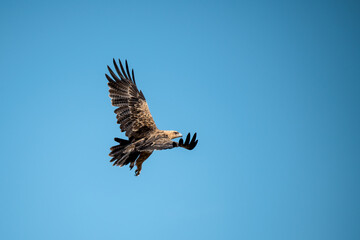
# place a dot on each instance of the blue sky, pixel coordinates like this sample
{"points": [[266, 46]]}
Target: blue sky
{"points": [[271, 88]]}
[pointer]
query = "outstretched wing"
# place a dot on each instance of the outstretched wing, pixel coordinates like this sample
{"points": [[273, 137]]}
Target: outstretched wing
{"points": [[133, 113]]}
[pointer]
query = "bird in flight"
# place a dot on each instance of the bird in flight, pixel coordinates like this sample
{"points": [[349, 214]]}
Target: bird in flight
{"points": [[135, 120]]}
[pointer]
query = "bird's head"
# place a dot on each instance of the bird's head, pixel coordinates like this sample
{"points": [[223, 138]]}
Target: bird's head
{"points": [[173, 134]]}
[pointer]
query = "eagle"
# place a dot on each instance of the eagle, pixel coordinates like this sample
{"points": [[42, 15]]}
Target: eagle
{"points": [[136, 121]]}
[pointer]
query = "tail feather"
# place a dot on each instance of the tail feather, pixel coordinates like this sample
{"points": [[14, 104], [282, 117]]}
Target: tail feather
{"points": [[121, 141], [132, 157], [123, 153]]}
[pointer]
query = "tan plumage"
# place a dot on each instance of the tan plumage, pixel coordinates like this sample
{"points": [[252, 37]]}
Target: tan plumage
{"points": [[135, 120]]}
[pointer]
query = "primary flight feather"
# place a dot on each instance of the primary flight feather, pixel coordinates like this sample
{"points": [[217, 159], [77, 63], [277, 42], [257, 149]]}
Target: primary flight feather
{"points": [[135, 120]]}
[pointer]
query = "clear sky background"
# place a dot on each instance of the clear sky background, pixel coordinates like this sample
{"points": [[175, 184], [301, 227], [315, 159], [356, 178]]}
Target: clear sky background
{"points": [[271, 87]]}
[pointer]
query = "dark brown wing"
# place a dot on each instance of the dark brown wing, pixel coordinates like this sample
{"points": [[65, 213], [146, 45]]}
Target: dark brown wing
{"points": [[133, 113], [189, 145]]}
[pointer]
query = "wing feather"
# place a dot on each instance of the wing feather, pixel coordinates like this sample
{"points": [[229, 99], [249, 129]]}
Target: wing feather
{"points": [[133, 113], [118, 70], [113, 74], [122, 69], [127, 69]]}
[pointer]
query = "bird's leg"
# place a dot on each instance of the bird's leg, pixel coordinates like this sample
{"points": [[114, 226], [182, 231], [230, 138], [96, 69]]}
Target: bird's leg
{"points": [[138, 169], [143, 156]]}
